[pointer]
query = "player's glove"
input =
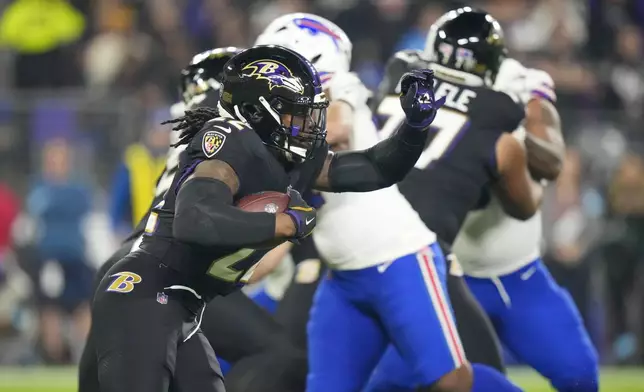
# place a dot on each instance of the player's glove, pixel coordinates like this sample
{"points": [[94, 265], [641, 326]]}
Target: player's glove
{"points": [[303, 215], [417, 98]]}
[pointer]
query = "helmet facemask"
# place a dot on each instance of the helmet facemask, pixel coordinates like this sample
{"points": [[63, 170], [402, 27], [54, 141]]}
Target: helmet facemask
{"points": [[297, 129], [197, 88]]}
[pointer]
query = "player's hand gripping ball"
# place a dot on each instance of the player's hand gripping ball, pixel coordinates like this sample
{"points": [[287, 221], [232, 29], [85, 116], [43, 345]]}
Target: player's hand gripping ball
{"points": [[303, 215], [417, 98]]}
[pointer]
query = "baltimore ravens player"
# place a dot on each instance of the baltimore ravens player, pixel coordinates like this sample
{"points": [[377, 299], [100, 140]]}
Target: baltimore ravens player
{"points": [[268, 135], [235, 326], [535, 318], [473, 149], [387, 272]]}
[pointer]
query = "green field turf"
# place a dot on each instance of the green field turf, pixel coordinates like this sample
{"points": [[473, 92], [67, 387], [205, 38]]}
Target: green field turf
{"points": [[64, 380]]}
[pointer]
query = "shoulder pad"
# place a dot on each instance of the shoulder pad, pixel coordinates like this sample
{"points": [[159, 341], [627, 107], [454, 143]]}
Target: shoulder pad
{"points": [[216, 135], [347, 87], [401, 62], [409, 56]]}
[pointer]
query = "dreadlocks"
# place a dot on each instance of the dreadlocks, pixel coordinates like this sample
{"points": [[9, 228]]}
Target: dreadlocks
{"points": [[191, 123]]}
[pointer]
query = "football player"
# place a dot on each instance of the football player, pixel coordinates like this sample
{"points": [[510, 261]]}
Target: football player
{"points": [[535, 318], [473, 150], [388, 276], [511, 283], [268, 134], [328, 46], [234, 325]]}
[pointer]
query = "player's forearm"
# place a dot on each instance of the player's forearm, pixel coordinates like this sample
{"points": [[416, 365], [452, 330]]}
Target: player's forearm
{"points": [[380, 166], [204, 215], [544, 141], [270, 261]]}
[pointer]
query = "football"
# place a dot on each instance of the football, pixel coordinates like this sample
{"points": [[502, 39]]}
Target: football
{"points": [[271, 202]]}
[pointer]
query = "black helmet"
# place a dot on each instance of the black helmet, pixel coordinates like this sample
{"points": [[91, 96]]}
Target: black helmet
{"points": [[467, 40], [279, 93], [204, 74]]}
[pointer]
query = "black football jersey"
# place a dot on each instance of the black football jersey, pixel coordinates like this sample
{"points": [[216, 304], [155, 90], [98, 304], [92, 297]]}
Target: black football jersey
{"points": [[452, 175], [217, 270]]}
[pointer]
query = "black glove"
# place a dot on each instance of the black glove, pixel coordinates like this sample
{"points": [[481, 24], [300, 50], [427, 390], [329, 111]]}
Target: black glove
{"points": [[417, 98], [303, 215]]}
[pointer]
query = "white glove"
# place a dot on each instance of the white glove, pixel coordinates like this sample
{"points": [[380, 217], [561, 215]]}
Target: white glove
{"points": [[522, 83], [347, 87]]}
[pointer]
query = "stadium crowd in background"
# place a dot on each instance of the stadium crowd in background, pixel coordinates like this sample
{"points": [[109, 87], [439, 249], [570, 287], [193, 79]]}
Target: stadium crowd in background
{"points": [[116, 63]]}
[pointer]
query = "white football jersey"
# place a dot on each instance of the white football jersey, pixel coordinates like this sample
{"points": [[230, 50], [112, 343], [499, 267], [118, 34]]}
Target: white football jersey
{"points": [[491, 243], [360, 230]]}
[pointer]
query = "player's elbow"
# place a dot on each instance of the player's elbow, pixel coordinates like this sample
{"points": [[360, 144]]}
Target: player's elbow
{"points": [[521, 207], [525, 208], [522, 213], [189, 226], [198, 206]]}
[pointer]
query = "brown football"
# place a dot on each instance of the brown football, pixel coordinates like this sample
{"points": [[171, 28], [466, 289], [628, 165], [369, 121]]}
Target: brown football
{"points": [[272, 202]]}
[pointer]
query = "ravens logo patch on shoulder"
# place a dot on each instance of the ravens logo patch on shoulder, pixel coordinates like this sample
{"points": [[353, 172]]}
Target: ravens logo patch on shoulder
{"points": [[212, 142]]}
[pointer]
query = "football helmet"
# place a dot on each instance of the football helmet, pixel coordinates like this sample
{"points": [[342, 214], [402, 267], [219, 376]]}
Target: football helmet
{"points": [[204, 74], [469, 41], [321, 41], [278, 92]]}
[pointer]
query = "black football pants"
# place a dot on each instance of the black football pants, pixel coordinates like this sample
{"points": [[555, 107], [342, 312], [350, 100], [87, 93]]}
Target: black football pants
{"points": [[235, 326], [147, 336]]}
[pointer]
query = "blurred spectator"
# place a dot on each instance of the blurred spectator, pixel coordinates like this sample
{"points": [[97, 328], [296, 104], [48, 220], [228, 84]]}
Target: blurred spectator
{"points": [[59, 204], [116, 46], [415, 38], [9, 208], [41, 32], [569, 233], [135, 179], [626, 73], [624, 254]]}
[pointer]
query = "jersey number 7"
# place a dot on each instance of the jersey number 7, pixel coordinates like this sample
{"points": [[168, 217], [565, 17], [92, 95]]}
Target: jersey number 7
{"points": [[447, 125]]}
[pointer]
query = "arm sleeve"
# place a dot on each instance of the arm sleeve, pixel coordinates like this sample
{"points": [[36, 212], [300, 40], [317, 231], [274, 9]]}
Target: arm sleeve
{"points": [[204, 215], [380, 166]]}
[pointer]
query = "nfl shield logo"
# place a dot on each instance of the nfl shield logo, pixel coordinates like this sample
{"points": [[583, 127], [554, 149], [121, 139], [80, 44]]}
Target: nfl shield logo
{"points": [[162, 298], [271, 208]]}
